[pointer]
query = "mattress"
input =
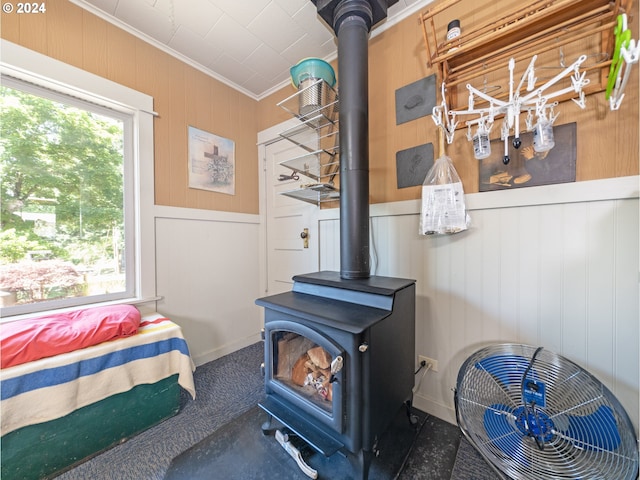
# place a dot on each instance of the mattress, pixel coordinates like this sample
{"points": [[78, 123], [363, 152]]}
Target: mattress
{"points": [[53, 387]]}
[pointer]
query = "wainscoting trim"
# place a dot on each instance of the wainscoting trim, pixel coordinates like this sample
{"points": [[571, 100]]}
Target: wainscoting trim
{"points": [[588, 191]]}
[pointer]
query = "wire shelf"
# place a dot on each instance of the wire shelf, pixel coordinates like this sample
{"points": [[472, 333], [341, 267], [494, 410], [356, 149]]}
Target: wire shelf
{"points": [[315, 165], [315, 103], [315, 194], [312, 137]]}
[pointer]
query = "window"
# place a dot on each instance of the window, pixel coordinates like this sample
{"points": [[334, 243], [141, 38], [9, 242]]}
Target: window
{"points": [[62, 197], [71, 191]]}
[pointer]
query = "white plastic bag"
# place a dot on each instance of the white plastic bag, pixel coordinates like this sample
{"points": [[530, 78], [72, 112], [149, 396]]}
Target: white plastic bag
{"points": [[443, 210]]}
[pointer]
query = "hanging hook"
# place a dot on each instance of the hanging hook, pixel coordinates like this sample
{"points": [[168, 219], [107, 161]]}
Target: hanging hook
{"points": [[436, 115], [630, 56], [540, 104], [582, 101], [552, 114], [578, 81], [469, 136], [451, 127], [623, 39], [529, 119], [504, 131]]}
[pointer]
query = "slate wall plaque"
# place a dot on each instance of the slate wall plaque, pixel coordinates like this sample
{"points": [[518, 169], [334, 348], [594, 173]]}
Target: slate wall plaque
{"points": [[413, 164], [415, 100], [527, 167]]}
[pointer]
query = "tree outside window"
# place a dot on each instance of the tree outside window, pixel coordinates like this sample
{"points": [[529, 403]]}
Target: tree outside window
{"points": [[62, 205]]}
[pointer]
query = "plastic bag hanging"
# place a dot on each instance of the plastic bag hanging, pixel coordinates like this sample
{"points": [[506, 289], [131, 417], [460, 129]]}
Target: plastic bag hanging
{"points": [[443, 209]]}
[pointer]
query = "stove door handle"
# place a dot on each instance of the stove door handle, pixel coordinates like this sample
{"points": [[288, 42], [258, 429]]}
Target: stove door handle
{"points": [[337, 364]]}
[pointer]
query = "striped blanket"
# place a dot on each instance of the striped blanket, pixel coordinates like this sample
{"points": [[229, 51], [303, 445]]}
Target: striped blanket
{"points": [[53, 387]]}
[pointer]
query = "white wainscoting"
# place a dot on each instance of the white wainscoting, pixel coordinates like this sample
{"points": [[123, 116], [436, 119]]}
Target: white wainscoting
{"points": [[553, 266], [207, 276]]}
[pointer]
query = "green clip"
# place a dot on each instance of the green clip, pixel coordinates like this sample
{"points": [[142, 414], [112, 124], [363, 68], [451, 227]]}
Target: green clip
{"points": [[623, 38]]}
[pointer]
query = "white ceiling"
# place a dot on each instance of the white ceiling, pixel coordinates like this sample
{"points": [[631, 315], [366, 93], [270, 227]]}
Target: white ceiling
{"points": [[248, 44]]}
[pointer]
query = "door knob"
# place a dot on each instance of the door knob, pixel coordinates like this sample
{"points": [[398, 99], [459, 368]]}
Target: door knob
{"points": [[305, 236]]}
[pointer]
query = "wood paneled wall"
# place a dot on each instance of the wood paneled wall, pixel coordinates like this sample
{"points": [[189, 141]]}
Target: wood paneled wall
{"points": [[607, 142], [182, 95]]}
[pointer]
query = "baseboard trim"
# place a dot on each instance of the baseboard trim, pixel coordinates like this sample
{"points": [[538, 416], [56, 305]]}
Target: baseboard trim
{"points": [[434, 408], [226, 349]]}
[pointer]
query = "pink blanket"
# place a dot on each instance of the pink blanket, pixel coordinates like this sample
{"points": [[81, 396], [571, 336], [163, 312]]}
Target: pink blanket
{"points": [[23, 341]]}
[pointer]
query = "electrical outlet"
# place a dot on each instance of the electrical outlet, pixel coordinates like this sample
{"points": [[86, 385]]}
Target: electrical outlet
{"points": [[434, 363]]}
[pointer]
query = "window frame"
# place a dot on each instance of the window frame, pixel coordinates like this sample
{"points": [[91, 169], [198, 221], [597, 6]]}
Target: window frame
{"points": [[71, 84]]}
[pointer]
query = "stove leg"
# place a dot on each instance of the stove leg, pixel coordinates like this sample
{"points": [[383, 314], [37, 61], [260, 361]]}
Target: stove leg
{"points": [[267, 427], [362, 462], [413, 419]]}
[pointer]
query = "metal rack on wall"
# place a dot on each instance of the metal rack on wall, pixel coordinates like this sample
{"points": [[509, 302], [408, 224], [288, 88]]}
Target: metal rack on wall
{"points": [[316, 106]]}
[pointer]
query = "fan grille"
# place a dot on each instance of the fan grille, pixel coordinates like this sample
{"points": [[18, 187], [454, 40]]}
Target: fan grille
{"points": [[576, 430]]}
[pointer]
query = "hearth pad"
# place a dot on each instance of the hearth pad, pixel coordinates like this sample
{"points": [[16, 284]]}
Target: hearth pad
{"points": [[239, 450]]}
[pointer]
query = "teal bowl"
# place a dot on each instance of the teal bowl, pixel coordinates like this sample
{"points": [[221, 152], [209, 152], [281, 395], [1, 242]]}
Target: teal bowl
{"points": [[312, 68]]}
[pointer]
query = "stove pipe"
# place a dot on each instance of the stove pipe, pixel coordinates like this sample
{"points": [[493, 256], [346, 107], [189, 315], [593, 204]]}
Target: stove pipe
{"points": [[351, 21]]}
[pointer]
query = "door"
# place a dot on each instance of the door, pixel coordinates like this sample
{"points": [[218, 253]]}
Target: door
{"points": [[287, 220]]}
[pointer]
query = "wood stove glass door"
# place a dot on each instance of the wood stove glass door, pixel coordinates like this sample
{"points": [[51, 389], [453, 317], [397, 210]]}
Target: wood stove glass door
{"points": [[306, 369]]}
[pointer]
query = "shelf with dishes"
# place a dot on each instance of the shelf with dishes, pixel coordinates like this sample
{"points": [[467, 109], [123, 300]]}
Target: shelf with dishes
{"points": [[315, 104]]}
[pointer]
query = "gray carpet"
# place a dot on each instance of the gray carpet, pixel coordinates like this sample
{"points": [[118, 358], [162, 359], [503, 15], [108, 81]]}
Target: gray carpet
{"points": [[225, 388], [228, 388], [470, 465]]}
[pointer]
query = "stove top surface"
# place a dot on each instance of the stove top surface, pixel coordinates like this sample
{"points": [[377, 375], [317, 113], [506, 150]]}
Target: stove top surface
{"points": [[375, 284]]}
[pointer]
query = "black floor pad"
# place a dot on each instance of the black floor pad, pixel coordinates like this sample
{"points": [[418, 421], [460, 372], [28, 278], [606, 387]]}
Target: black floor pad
{"points": [[239, 450]]}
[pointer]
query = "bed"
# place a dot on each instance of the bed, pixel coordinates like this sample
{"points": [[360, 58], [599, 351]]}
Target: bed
{"points": [[59, 410]]}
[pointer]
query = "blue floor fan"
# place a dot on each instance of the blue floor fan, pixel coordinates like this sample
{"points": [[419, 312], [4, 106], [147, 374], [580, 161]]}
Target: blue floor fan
{"points": [[535, 415]]}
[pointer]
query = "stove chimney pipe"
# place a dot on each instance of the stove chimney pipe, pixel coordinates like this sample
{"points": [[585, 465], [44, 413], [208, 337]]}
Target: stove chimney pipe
{"points": [[352, 30], [351, 21]]}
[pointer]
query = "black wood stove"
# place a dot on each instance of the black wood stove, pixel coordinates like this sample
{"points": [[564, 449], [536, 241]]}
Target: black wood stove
{"points": [[339, 360], [340, 347]]}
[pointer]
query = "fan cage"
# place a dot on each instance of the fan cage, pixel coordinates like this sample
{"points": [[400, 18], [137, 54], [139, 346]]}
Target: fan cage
{"points": [[583, 431]]}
